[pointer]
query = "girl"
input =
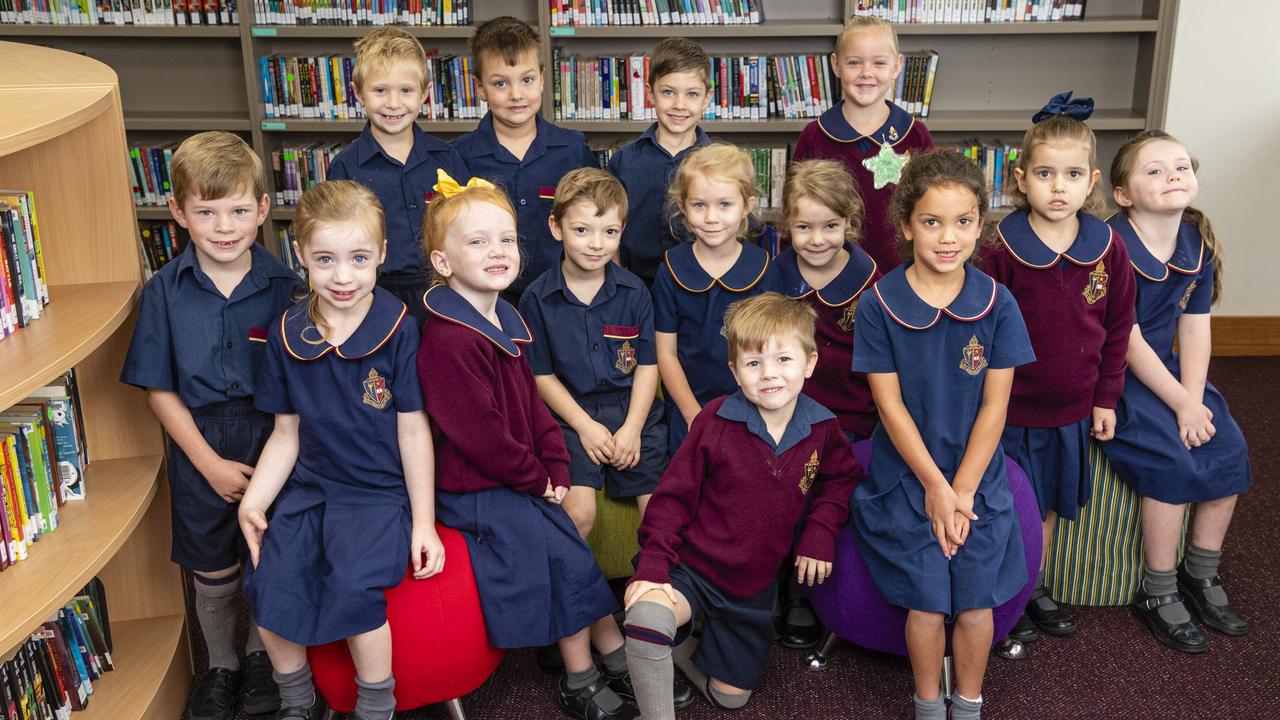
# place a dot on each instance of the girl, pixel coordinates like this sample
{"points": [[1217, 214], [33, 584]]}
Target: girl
{"points": [[1175, 440], [503, 469], [1070, 277], [713, 193], [822, 216], [872, 136], [357, 460], [934, 517]]}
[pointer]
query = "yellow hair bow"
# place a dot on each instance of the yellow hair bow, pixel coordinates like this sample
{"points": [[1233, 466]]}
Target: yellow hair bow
{"points": [[449, 187]]}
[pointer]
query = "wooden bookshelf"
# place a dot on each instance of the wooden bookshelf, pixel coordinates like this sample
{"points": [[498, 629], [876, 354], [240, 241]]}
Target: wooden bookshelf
{"points": [[63, 138]]}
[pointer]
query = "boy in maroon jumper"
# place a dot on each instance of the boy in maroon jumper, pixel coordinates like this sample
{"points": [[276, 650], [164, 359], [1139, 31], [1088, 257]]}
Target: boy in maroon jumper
{"points": [[724, 515]]}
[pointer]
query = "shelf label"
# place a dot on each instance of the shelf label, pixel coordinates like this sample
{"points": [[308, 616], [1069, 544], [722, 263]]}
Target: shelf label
{"points": [[259, 31], [563, 32], [268, 125]]}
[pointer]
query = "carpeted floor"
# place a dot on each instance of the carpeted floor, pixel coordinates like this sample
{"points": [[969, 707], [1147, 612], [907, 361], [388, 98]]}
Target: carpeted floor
{"points": [[1111, 668]]}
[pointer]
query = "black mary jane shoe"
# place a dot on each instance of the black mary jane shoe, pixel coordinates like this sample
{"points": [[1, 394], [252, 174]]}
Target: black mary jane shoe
{"points": [[799, 635], [1010, 649], [682, 693], [215, 695], [319, 710], [1048, 615], [581, 703], [1024, 631], [1183, 637], [1223, 618]]}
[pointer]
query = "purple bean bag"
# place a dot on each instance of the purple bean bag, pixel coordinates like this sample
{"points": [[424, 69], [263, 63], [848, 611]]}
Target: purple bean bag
{"points": [[850, 605]]}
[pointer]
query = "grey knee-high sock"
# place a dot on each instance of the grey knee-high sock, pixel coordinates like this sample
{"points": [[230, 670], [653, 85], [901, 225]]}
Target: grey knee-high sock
{"points": [[682, 655], [296, 689], [253, 643], [650, 629], [1202, 564], [935, 709], [1163, 583], [375, 700], [616, 661], [217, 610], [962, 708]]}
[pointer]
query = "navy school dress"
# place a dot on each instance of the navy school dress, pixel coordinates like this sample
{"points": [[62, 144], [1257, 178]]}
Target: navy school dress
{"points": [[497, 447], [941, 358], [690, 303], [1147, 452], [338, 532]]}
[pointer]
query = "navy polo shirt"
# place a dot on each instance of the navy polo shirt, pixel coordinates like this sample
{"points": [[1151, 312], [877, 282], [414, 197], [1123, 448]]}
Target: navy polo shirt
{"points": [[806, 414], [595, 347], [404, 189], [191, 340], [638, 165], [530, 183]]}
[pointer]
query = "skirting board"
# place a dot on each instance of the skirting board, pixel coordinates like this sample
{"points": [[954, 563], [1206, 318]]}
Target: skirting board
{"points": [[1246, 334]]}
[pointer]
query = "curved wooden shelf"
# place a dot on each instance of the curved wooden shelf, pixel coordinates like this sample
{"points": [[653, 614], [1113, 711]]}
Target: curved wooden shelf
{"points": [[149, 656], [88, 535], [46, 93], [76, 321]]}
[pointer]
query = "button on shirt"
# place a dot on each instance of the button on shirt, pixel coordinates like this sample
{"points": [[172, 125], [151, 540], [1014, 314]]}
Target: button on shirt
{"points": [[192, 340], [529, 182], [404, 189], [595, 347]]}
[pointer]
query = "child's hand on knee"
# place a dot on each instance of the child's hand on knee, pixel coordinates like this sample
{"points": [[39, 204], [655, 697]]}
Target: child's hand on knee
{"points": [[253, 523], [554, 494], [597, 441], [626, 447], [810, 570], [426, 551], [639, 588]]}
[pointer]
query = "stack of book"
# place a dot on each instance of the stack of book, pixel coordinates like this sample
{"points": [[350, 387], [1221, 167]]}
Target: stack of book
{"points": [[914, 90], [972, 11], [770, 164], [161, 242], [364, 12], [284, 240], [24, 289], [149, 173], [585, 13], [298, 168], [997, 161], [119, 12], [319, 87], [53, 672]]}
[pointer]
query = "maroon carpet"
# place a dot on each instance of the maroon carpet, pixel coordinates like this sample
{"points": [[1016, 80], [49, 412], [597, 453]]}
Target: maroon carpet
{"points": [[1111, 668]]}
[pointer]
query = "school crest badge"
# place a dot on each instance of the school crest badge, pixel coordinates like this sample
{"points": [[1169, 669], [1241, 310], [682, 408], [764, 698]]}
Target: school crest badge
{"points": [[1096, 289], [626, 358], [1186, 296], [810, 472], [974, 357], [376, 392], [886, 166], [893, 133], [845, 322]]}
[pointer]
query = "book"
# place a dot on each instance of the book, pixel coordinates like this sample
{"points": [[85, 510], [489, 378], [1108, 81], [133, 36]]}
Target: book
{"points": [[997, 161], [296, 169], [24, 290], [972, 11], [119, 12], [596, 13]]}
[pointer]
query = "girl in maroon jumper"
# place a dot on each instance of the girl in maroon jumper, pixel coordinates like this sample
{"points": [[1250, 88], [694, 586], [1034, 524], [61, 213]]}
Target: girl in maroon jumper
{"points": [[1070, 275], [502, 469]]}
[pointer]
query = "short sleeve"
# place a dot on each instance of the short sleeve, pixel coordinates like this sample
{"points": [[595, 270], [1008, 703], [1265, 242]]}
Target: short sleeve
{"points": [[1201, 300], [150, 362], [872, 348], [271, 393], [406, 392], [588, 158], [538, 352], [665, 315], [338, 168], [646, 348], [1012, 344]]}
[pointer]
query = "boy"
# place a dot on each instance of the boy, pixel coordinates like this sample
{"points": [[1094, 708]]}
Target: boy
{"points": [[870, 135], [724, 515], [513, 147], [678, 90], [394, 157], [202, 324]]}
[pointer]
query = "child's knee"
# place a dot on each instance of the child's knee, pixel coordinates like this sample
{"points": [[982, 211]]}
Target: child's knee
{"points": [[975, 618], [925, 619], [580, 504], [726, 696], [650, 629]]}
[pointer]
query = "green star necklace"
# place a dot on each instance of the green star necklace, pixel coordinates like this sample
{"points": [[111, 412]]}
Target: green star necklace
{"points": [[886, 165]]}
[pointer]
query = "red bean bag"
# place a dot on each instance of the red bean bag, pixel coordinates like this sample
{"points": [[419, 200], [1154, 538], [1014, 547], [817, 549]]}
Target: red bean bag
{"points": [[440, 649]]}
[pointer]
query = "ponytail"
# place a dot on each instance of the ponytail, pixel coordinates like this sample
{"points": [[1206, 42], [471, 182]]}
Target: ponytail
{"points": [[1201, 221]]}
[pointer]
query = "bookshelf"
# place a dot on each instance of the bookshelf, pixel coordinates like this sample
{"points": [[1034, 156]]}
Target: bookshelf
{"points": [[63, 136]]}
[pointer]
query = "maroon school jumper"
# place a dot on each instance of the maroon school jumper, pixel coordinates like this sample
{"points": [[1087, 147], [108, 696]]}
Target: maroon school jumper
{"points": [[727, 506], [831, 137], [1078, 307]]}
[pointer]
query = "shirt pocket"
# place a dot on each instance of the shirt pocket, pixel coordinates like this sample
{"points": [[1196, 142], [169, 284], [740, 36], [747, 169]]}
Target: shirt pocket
{"points": [[546, 192], [619, 339]]}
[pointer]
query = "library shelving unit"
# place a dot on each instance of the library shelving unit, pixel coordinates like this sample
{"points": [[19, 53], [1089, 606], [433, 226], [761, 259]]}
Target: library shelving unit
{"points": [[62, 136], [991, 78]]}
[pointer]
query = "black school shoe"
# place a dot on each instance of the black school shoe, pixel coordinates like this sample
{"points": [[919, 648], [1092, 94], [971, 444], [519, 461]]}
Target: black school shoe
{"points": [[681, 692], [319, 710], [1223, 618], [1024, 631], [799, 635], [1048, 615], [215, 695], [581, 703], [1183, 637], [259, 694]]}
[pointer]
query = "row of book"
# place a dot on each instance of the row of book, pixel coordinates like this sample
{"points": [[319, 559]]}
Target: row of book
{"points": [[42, 456], [298, 168], [24, 289], [362, 12], [149, 174], [284, 243], [318, 87], [586, 13], [972, 11], [119, 12], [53, 672], [914, 91], [997, 162], [161, 242]]}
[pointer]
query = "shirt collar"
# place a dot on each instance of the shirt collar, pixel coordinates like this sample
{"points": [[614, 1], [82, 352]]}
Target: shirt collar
{"points": [[264, 269], [613, 277], [444, 302], [745, 274], [424, 143], [977, 297], [303, 341], [893, 131], [651, 135], [547, 135], [736, 408], [1092, 242], [844, 287], [1188, 253]]}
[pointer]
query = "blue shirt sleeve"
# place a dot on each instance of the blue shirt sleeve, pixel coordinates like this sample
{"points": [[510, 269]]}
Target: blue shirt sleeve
{"points": [[406, 392], [1201, 299], [665, 318], [539, 351], [872, 347], [646, 347], [588, 158], [1012, 344], [272, 391], [149, 363], [338, 169]]}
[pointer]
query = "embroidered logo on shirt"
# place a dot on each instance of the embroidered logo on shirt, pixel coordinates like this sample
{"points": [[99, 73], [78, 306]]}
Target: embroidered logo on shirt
{"points": [[810, 472], [1097, 287], [893, 133], [845, 322], [974, 357], [376, 393], [626, 358], [1186, 296]]}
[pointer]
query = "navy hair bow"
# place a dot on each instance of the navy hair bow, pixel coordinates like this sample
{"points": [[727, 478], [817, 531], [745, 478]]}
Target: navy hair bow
{"points": [[1062, 104]]}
